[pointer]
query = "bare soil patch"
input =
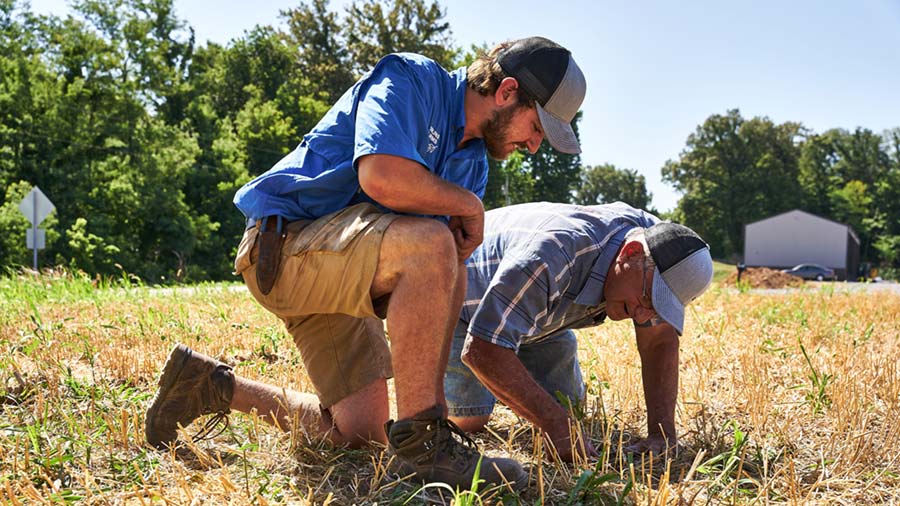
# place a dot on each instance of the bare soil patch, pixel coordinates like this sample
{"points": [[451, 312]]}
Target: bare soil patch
{"points": [[762, 277]]}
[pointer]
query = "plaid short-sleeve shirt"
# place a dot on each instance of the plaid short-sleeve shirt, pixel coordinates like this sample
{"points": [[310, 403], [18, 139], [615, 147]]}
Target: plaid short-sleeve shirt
{"points": [[542, 267]]}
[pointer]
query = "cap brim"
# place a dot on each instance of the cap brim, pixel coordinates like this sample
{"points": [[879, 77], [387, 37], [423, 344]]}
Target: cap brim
{"points": [[666, 304], [558, 133]]}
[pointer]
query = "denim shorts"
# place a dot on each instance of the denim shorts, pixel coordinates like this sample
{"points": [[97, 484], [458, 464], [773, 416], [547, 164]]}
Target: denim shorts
{"points": [[552, 362]]}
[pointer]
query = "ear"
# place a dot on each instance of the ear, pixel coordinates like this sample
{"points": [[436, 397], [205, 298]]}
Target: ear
{"points": [[507, 92], [631, 249]]}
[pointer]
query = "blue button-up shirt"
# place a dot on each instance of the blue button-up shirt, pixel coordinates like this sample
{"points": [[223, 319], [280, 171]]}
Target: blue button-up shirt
{"points": [[406, 106], [542, 267]]}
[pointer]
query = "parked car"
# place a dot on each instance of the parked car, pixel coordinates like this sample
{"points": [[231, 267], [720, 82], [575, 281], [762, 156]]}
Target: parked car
{"points": [[811, 271]]}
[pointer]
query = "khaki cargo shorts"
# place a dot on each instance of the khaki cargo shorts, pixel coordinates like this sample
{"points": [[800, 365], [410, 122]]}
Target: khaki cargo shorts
{"points": [[322, 296]]}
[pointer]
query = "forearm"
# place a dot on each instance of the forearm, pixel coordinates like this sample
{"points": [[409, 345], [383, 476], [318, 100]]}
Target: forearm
{"points": [[501, 371], [659, 372], [405, 186]]}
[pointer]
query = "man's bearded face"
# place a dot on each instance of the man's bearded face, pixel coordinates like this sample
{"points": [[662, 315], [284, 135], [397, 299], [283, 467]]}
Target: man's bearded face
{"points": [[496, 132]]}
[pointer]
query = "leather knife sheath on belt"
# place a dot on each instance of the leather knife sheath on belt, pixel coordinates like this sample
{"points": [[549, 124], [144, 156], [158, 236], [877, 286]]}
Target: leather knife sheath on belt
{"points": [[269, 241]]}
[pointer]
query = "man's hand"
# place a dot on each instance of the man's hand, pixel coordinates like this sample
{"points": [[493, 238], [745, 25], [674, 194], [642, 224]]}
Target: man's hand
{"points": [[558, 436], [468, 232], [656, 444], [501, 371]]}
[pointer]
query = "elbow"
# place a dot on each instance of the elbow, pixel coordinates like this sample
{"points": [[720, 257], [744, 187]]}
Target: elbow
{"points": [[472, 357], [372, 183], [468, 357]]}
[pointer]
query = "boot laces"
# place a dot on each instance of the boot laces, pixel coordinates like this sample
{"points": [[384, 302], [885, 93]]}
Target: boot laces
{"points": [[217, 424], [444, 437]]}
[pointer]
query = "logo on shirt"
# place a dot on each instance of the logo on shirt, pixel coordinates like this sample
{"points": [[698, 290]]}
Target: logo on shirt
{"points": [[433, 138]]}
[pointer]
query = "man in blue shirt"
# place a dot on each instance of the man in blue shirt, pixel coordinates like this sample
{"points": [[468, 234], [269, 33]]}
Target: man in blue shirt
{"points": [[544, 269], [371, 216]]}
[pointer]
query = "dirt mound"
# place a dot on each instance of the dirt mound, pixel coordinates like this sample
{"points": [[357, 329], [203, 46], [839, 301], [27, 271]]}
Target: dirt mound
{"points": [[762, 277]]}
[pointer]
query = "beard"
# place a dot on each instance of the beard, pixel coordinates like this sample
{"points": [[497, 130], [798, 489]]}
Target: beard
{"points": [[495, 130]]}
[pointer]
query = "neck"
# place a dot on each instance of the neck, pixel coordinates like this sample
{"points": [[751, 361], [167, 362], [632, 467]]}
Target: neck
{"points": [[477, 108]]}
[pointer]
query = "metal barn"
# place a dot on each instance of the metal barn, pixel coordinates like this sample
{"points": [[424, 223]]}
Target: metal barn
{"points": [[796, 237]]}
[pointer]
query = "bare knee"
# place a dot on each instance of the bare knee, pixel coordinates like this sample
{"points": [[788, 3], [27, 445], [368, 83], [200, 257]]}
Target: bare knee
{"points": [[359, 418], [420, 248], [429, 240]]}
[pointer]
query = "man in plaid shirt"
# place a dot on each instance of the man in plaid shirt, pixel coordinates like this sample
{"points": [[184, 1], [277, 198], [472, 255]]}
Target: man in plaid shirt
{"points": [[544, 269]]}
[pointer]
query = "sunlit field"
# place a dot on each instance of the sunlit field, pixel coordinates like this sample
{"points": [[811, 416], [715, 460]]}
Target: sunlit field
{"points": [[784, 399]]}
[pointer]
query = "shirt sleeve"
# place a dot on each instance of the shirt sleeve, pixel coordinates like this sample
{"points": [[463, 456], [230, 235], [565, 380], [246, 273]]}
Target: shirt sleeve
{"points": [[519, 300], [390, 113]]}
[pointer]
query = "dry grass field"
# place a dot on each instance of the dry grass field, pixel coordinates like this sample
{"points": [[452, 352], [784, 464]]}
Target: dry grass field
{"points": [[784, 399]]}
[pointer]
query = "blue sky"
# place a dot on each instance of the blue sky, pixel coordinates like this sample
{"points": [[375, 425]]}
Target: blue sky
{"points": [[657, 69]]}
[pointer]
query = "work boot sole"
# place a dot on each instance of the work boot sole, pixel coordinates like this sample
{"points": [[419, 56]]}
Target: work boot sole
{"points": [[175, 363]]}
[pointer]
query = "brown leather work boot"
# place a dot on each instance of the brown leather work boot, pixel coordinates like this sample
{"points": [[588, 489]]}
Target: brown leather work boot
{"points": [[190, 385], [427, 445]]}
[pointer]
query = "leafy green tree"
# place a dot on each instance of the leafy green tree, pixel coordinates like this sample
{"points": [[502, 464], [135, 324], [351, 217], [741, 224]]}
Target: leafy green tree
{"points": [[219, 170], [892, 147], [887, 216], [88, 252], [29, 95], [233, 93], [94, 143], [264, 131], [603, 184], [147, 48], [136, 205], [374, 28], [13, 249], [334, 51], [851, 204], [735, 171], [816, 177], [261, 58], [860, 156], [67, 110], [847, 176], [322, 57], [509, 182], [555, 174]]}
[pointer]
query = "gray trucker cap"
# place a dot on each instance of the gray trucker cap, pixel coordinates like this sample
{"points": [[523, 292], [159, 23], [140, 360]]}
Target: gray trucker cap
{"points": [[548, 72], [684, 270]]}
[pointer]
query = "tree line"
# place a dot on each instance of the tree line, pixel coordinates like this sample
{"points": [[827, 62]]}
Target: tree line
{"points": [[141, 136], [734, 171]]}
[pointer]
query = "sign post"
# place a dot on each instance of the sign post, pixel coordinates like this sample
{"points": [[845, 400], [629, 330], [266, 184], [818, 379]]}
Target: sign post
{"points": [[36, 206]]}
